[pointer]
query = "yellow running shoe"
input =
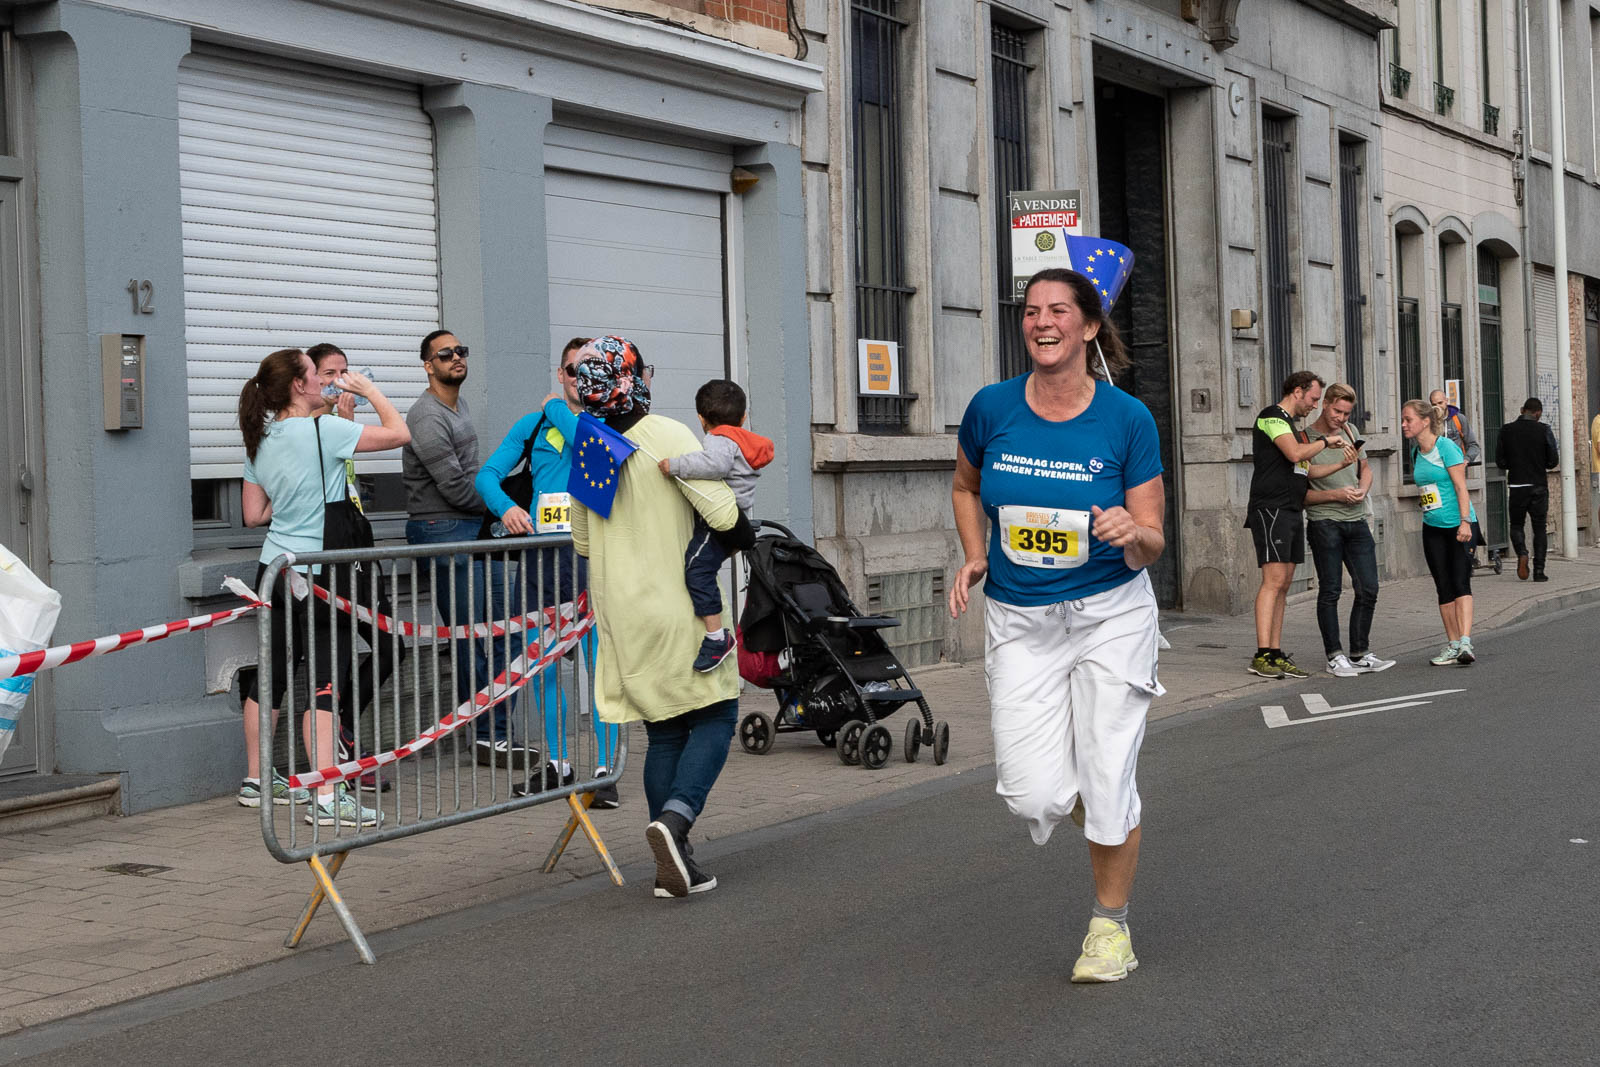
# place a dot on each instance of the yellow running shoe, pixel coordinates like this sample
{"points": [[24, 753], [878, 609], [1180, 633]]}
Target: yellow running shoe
{"points": [[1107, 953]]}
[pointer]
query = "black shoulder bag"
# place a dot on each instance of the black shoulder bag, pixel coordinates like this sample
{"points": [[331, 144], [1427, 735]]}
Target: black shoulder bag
{"points": [[518, 485], [343, 525]]}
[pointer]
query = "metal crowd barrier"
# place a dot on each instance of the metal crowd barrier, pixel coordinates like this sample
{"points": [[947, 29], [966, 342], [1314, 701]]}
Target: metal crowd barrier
{"points": [[401, 744]]}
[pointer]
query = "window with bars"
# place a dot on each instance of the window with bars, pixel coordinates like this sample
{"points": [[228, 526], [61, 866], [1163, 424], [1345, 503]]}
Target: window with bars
{"points": [[1352, 155], [882, 295], [1009, 68], [1410, 345], [1275, 148]]}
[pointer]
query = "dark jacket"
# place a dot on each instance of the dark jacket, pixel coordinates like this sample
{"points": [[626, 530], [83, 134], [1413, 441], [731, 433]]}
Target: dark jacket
{"points": [[1526, 450]]}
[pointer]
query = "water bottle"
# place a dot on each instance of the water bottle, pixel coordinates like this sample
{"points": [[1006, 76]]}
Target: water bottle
{"points": [[333, 392], [498, 529]]}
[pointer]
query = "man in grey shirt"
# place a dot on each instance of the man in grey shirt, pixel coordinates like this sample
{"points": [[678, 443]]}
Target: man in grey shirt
{"points": [[1339, 538], [438, 468]]}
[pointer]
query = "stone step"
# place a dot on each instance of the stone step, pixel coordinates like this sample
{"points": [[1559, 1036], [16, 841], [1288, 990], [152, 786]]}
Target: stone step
{"points": [[35, 801]]}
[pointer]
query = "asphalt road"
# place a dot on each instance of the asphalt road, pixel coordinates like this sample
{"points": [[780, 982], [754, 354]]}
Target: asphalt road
{"points": [[1394, 887]]}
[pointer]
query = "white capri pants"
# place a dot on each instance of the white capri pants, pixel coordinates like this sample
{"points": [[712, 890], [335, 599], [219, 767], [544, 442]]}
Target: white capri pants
{"points": [[1069, 688]]}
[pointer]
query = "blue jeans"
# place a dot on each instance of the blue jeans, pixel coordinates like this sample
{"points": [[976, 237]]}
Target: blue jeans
{"points": [[480, 592], [685, 756], [701, 562], [1335, 547]]}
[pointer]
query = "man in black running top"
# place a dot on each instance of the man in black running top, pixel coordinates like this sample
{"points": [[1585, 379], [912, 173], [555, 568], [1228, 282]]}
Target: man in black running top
{"points": [[1283, 457]]}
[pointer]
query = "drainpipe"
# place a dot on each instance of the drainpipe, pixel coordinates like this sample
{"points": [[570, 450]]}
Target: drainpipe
{"points": [[1520, 170], [1558, 210]]}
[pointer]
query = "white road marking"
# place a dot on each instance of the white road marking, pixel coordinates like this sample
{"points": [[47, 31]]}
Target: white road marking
{"points": [[1275, 715]]}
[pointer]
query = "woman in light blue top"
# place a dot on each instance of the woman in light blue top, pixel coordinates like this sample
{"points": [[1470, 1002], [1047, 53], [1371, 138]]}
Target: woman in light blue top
{"points": [[284, 486], [1440, 471]]}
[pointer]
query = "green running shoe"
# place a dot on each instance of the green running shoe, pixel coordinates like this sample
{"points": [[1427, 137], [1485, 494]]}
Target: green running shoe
{"points": [[1265, 666], [1447, 655], [1286, 664]]}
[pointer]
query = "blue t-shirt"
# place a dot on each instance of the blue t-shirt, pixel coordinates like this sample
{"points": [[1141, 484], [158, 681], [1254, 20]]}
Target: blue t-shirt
{"points": [[1047, 475], [1430, 470], [285, 468]]}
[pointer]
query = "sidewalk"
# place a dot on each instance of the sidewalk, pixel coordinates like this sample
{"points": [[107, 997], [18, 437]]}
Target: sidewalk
{"points": [[76, 936]]}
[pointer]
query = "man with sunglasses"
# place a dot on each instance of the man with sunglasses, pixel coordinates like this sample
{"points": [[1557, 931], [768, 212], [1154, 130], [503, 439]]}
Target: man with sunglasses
{"points": [[442, 505]]}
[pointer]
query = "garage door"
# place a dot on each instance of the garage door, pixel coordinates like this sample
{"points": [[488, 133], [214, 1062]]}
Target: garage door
{"points": [[635, 232], [308, 215]]}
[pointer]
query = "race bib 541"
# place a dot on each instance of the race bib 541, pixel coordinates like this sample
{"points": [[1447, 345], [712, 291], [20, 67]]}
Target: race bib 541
{"points": [[553, 513]]}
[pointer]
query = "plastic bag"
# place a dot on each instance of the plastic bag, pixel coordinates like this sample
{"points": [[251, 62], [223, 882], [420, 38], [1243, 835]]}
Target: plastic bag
{"points": [[28, 611]]}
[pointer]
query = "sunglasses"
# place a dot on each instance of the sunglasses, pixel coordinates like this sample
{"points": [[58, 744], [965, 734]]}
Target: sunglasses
{"points": [[444, 355]]}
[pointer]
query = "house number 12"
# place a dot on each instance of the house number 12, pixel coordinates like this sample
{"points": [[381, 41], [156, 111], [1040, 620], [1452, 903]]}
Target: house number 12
{"points": [[144, 294]]}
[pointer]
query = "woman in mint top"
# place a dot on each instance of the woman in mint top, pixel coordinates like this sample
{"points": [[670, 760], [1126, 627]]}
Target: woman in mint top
{"points": [[1440, 471], [544, 437]]}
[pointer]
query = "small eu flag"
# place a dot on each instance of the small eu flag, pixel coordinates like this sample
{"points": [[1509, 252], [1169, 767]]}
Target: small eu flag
{"points": [[598, 452], [1105, 263]]}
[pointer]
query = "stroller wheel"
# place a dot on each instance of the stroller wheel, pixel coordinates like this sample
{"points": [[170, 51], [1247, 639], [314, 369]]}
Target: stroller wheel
{"points": [[1497, 561], [850, 742], [828, 737], [941, 743], [913, 740], [876, 744], [756, 733]]}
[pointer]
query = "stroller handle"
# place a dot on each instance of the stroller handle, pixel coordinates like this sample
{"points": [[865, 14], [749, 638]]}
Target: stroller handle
{"points": [[768, 524]]}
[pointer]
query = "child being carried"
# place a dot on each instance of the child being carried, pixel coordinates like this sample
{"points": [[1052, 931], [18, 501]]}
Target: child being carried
{"points": [[735, 455]]}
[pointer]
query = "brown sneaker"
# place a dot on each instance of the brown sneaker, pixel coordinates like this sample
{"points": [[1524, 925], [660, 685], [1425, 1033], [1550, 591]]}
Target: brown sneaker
{"points": [[1522, 567]]}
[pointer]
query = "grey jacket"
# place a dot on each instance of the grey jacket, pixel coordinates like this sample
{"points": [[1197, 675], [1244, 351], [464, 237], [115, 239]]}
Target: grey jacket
{"points": [[721, 458], [441, 462]]}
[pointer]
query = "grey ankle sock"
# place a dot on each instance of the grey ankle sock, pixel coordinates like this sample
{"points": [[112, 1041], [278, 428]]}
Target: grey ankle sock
{"points": [[1116, 915]]}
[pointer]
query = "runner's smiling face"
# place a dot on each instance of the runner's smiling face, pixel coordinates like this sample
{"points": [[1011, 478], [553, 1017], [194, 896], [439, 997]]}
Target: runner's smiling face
{"points": [[1337, 414], [1053, 325]]}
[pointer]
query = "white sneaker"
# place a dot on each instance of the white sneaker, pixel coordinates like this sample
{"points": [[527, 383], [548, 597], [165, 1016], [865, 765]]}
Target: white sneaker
{"points": [[1341, 667], [1371, 664]]}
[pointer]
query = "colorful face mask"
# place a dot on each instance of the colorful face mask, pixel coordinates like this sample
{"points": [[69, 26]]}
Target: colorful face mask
{"points": [[611, 378]]}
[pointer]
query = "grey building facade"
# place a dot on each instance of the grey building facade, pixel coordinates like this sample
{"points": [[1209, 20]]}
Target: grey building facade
{"points": [[1235, 148], [214, 181]]}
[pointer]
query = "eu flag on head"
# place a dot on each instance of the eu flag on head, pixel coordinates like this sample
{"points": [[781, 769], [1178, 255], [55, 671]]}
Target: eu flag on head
{"points": [[1105, 263], [598, 452]]}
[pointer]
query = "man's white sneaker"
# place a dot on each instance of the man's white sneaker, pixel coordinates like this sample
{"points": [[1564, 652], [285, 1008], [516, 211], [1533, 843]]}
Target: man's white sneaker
{"points": [[1340, 667], [1371, 664]]}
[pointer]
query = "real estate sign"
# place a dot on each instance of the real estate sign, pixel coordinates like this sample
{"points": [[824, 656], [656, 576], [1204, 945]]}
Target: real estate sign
{"points": [[1040, 219]]}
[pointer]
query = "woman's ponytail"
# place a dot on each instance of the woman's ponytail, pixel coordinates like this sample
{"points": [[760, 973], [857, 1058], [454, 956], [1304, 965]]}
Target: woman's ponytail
{"points": [[266, 394]]}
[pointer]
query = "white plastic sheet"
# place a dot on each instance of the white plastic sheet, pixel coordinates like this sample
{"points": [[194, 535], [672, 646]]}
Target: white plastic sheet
{"points": [[28, 612]]}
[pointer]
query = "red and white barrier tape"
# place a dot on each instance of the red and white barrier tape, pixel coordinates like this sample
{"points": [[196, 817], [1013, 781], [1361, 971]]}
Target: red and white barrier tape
{"points": [[390, 625], [568, 633], [45, 658]]}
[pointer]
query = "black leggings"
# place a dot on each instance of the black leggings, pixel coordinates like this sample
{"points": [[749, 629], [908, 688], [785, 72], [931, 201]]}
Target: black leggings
{"points": [[1448, 562]]}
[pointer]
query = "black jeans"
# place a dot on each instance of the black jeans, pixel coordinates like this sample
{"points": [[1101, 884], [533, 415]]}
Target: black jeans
{"points": [[1335, 547], [1530, 502]]}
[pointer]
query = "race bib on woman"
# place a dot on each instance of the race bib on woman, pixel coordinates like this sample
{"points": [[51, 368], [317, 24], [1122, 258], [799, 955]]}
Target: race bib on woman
{"points": [[1054, 538], [1429, 499], [553, 513]]}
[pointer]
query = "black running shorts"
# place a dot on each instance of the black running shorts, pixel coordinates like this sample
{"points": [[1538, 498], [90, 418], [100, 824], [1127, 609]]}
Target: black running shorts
{"points": [[1279, 533]]}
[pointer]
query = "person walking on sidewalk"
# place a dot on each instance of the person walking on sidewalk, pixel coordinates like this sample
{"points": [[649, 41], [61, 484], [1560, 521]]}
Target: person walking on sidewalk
{"points": [[647, 624], [438, 468], [1525, 450], [1337, 531], [1274, 518], [292, 464], [541, 444], [1440, 470], [1063, 471]]}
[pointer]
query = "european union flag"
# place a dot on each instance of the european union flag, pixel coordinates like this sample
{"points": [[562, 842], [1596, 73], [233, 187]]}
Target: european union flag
{"points": [[597, 456], [1105, 263]]}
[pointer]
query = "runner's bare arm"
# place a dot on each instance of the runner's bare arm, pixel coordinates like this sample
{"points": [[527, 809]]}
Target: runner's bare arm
{"points": [[1136, 527], [968, 507]]}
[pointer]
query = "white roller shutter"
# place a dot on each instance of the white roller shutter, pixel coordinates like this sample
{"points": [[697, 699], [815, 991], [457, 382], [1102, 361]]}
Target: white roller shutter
{"points": [[1545, 309], [635, 233], [309, 215]]}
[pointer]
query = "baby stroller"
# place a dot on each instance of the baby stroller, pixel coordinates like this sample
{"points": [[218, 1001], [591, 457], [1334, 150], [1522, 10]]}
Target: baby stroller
{"points": [[829, 666]]}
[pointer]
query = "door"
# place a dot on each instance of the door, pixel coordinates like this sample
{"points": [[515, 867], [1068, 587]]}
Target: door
{"points": [[635, 233], [21, 496], [1130, 132]]}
